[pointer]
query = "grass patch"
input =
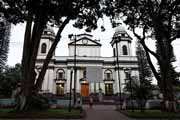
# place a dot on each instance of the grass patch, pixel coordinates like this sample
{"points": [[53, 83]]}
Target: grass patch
{"points": [[150, 114], [6, 110], [50, 113]]}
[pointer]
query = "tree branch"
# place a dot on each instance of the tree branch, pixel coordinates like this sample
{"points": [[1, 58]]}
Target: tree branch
{"points": [[142, 41], [147, 50], [151, 65]]}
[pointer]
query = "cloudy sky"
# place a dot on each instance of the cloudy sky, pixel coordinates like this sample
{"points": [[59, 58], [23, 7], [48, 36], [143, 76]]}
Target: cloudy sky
{"points": [[17, 34]]}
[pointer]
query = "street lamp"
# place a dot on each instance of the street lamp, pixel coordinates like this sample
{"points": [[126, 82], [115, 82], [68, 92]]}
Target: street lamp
{"points": [[71, 36], [127, 71], [69, 109], [117, 61]]}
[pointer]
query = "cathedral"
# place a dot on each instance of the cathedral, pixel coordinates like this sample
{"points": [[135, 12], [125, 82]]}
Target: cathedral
{"points": [[84, 68]]}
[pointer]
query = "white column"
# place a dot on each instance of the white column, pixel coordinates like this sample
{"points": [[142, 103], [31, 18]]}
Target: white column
{"points": [[122, 78], [51, 80], [97, 87], [67, 86], [45, 82], [130, 49], [91, 85], [78, 82], [117, 82], [102, 85], [54, 82], [66, 82], [119, 49]]}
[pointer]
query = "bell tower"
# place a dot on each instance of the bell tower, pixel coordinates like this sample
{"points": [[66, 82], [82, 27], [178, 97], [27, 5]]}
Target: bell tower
{"points": [[47, 39], [121, 41]]}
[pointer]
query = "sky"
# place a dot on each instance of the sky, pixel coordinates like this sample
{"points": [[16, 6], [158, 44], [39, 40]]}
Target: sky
{"points": [[17, 36]]}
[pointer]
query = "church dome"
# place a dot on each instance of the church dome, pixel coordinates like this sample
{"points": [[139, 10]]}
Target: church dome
{"points": [[49, 30], [120, 29], [48, 33]]}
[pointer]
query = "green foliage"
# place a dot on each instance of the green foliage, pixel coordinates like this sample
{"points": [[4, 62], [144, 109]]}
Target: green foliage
{"points": [[4, 41], [141, 88], [38, 14], [9, 80], [144, 68], [143, 13], [62, 113], [158, 19], [86, 12], [140, 91], [153, 114]]}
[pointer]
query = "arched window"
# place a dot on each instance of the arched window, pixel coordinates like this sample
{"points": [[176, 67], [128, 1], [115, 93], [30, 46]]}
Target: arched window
{"points": [[43, 48], [108, 74], [124, 49], [60, 74]]}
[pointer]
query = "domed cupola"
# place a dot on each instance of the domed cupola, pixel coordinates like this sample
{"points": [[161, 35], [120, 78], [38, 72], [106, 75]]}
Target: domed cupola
{"points": [[121, 41], [48, 32]]}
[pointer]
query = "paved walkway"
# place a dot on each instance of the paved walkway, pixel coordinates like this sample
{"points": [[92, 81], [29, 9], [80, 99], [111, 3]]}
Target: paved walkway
{"points": [[103, 112]]}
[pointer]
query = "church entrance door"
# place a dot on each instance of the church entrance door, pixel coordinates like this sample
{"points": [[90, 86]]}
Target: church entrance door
{"points": [[59, 88], [109, 89], [84, 89]]}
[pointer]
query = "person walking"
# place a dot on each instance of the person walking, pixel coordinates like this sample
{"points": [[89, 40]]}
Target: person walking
{"points": [[90, 101]]}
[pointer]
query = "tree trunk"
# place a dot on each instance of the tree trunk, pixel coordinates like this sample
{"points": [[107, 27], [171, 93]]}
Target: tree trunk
{"points": [[30, 49], [30, 88], [49, 55], [167, 81], [21, 99], [164, 51]]}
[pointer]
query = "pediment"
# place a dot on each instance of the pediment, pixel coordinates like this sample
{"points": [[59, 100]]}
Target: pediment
{"points": [[85, 41]]}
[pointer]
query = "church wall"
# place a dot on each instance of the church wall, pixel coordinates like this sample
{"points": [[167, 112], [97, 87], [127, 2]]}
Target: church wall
{"points": [[85, 50], [93, 58], [45, 85], [51, 80], [120, 45]]}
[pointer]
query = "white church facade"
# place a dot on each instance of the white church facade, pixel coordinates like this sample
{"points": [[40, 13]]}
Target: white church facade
{"points": [[94, 73]]}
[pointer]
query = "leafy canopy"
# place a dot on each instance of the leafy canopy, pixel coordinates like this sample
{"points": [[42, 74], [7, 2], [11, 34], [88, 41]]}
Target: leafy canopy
{"points": [[54, 11]]}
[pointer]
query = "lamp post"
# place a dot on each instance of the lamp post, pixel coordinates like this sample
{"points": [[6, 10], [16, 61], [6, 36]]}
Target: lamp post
{"points": [[117, 61], [127, 71], [69, 109], [75, 68]]}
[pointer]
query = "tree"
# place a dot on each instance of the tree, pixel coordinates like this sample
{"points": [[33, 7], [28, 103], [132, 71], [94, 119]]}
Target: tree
{"points": [[4, 41], [157, 18], [144, 89], [42, 12], [10, 77], [141, 92]]}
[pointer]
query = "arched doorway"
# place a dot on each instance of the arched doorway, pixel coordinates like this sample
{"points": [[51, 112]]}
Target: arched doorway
{"points": [[60, 82], [108, 81]]}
